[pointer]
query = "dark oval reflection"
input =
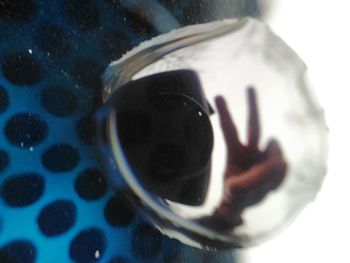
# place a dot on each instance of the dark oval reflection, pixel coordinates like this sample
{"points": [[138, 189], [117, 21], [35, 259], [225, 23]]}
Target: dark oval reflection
{"points": [[164, 128]]}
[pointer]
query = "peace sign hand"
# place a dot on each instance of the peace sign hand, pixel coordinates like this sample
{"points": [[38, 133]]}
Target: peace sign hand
{"points": [[250, 173]]}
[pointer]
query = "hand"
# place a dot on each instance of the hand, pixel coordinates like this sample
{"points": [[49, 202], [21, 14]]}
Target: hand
{"points": [[250, 173]]}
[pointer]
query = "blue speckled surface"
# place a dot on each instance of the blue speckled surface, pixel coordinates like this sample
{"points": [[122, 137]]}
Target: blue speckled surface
{"points": [[78, 38]]}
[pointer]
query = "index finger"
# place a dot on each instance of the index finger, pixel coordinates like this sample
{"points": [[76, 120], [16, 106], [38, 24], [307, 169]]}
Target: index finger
{"points": [[229, 128]]}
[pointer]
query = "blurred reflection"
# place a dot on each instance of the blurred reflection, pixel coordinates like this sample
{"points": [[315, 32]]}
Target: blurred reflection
{"points": [[169, 128]]}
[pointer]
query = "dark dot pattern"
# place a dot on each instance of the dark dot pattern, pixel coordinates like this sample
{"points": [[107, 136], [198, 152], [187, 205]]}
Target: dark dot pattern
{"points": [[26, 130], [146, 242], [118, 212], [4, 99], [84, 15], [57, 217], [19, 251], [90, 184], [53, 54], [22, 69], [60, 157], [53, 40], [59, 101], [88, 246], [17, 10], [22, 190], [4, 160], [119, 259]]}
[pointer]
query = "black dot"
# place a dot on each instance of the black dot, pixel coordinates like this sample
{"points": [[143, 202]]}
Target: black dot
{"points": [[4, 99], [174, 258], [58, 101], [23, 189], [88, 246], [53, 40], [18, 251], [119, 259], [146, 242], [84, 15], [88, 73], [197, 12], [114, 4], [4, 160], [26, 130], [17, 10], [86, 129], [139, 25], [57, 217], [118, 211], [60, 157], [21, 69], [90, 184], [114, 44], [170, 5]]}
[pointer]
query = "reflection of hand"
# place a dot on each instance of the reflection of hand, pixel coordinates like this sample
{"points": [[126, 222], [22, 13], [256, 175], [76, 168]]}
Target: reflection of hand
{"points": [[250, 173]]}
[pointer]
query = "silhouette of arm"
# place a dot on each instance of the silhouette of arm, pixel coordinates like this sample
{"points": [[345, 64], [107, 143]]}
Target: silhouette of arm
{"points": [[250, 173]]}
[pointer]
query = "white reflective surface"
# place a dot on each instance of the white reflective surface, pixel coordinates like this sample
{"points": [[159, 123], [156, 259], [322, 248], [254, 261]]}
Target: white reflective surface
{"points": [[318, 32]]}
